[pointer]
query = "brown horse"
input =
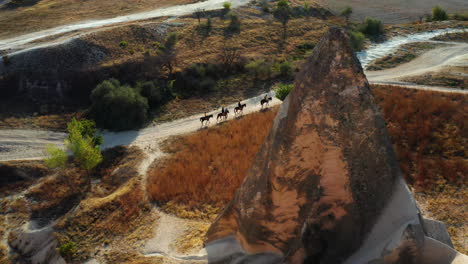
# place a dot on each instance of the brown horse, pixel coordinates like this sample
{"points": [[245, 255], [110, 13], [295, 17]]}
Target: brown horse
{"points": [[222, 115], [239, 109], [266, 101], [205, 118]]}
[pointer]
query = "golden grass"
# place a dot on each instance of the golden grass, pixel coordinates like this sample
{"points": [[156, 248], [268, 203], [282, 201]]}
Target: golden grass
{"points": [[208, 166], [446, 202], [193, 237]]}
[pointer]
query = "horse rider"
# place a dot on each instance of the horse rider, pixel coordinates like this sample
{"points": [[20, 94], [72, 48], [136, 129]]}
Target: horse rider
{"points": [[265, 97], [239, 104]]}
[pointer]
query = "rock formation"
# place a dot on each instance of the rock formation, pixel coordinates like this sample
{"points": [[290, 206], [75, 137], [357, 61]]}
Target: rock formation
{"points": [[325, 186]]}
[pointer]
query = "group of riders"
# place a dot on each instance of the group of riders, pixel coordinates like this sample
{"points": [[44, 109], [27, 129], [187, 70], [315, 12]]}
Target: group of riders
{"points": [[237, 110]]}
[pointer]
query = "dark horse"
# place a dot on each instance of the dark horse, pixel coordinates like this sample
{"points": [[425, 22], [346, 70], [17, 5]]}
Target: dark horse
{"points": [[266, 101], [223, 114], [239, 108], [205, 118]]}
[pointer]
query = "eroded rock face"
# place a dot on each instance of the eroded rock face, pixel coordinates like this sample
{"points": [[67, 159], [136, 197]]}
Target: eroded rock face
{"points": [[325, 172]]}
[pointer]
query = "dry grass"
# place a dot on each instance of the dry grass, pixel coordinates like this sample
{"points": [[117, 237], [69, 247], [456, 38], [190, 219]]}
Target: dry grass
{"points": [[208, 166], [50, 13], [193, 238], [429, 131], [446, 202]]}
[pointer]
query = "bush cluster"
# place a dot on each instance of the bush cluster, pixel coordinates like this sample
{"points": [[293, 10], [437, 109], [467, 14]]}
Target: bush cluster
{"points": [[371, 27], [357, 39], [282, 91], [263, 69], [439, 14], [118, 107], [197, 79]]}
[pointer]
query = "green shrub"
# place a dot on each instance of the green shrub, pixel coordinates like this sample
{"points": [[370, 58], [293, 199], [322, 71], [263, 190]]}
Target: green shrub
{"points": [[371, 27], [282, 91], [347, 13], [264, 6], [118, 107], [197, 79], [227, 7], [171, 41], [259, 69], [439, 14], [56, 157], [123, 44], [286, 69], [282, 13], [460, 17], [152, 92], [234, 23], [357, 40], [68, 249], [83, 143]]}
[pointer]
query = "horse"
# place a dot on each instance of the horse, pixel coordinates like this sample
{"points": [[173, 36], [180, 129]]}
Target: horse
{"points": [[205, 118], [223, 115], [266, 101], [239, 109]]}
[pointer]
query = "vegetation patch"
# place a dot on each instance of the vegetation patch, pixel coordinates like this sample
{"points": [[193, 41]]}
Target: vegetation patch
{"points": [[208, 166], [405, 53]]}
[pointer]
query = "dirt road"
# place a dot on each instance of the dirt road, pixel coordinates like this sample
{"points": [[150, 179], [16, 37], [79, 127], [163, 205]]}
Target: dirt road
{"points": [[29, 144], [433, 60]]}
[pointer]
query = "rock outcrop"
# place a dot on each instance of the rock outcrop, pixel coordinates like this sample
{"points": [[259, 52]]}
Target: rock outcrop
{"points": [[325, 186]]}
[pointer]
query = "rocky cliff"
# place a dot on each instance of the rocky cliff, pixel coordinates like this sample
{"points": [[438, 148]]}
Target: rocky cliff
{"points": [[325, 186]]}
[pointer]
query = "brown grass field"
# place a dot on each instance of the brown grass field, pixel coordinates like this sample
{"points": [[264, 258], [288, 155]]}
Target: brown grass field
{"points": [[208, 166], [428, 131]]}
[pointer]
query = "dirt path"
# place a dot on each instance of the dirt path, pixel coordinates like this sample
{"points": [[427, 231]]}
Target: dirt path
{"points": [[21, 144], [433, 60]]}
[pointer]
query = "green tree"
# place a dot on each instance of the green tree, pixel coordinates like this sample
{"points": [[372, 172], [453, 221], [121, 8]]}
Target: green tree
{"points": [[357, 39], [57, 157], [283, 14], [226, 7], [234, 23], [282, 91], [81, 143], [347, 13], [371, 27], [118, 107], [86, 153], [439, 14]]}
